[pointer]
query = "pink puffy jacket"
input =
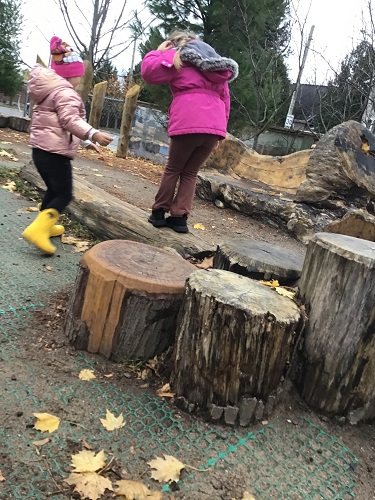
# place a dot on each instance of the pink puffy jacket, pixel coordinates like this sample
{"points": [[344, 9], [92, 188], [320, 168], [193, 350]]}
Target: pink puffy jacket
{"points": [[201, 101], [58, 121]]}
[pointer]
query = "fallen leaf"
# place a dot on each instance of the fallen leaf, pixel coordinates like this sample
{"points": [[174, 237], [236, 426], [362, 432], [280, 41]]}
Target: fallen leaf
{"points": [[89, 485], [48, 268], [118, 187], [82, 246], [70, 240], [87, 461], [247, 496], [95, 169], [42, 442], [86, 445], [99, 175], [8, 155], [199, 226], [132, 450], [111, 423], [165, 392], [2, 478], [272, 283], [109, 375], [207, 262], [10, 186], [5, 142], [32, 209], [86, 374], [133, 490], [110, 164], [46, 422], [286, 293], [167, 469]]}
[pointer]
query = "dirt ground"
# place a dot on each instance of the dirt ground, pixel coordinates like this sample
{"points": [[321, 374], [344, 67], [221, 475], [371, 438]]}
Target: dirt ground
{"points": [[45, 345]]}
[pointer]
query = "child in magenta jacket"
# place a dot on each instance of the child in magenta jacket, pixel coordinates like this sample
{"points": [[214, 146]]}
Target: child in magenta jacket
{"points": [[198, 78]]}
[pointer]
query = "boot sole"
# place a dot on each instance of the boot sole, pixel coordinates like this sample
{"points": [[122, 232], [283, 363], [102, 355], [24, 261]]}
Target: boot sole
{"points": [[30, 239], [157, 223], [178, 229]]}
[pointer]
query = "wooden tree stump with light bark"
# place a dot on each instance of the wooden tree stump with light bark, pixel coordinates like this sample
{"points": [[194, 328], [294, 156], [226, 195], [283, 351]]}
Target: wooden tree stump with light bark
{"points": [[336, 374], [126, 300], [258, 260], [235, 341]]}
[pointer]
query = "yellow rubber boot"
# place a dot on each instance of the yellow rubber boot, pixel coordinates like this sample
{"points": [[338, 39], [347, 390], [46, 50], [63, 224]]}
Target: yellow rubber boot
{"points": [[39, 231], [56, 229]]}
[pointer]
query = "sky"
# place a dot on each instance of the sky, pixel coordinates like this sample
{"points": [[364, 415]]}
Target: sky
{"points": [[336, 25]]}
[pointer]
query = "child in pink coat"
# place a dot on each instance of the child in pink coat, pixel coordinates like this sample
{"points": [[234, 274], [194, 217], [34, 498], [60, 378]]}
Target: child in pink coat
{"points": [[198, 78], [58, 126]]}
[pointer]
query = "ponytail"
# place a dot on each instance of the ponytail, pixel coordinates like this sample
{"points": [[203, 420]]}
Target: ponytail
{"points": [[179, 39]]}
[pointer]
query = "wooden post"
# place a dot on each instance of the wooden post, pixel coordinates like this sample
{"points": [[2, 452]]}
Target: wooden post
{"points": [[97, 104], [127, 118], [234, 342], [126, 300], [84, 87], [337, 372]]}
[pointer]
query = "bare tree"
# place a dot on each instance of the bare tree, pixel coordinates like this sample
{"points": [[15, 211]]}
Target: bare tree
{"points": [[96, 34]]}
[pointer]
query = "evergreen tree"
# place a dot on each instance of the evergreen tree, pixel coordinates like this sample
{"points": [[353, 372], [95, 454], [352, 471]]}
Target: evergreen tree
{"points": [[10, 25], [348, 93], [252, 33]]}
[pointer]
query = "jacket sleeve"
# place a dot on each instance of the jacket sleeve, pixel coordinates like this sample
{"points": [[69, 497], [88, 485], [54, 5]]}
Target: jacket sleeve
{"points": [[226, 98], [157, 67], [68, 105]]}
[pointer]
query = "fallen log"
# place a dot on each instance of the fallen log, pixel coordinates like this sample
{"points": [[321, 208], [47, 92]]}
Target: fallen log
{"points": [[126, 300], [336, 374], [234, 342], [110, 218]]}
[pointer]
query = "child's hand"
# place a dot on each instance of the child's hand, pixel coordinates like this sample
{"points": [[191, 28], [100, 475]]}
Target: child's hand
{"points": [[165, 46], [94, 147], [102, 138]]}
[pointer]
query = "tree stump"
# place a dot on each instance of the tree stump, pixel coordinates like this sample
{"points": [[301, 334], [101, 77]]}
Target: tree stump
{"points": [[338, 287], [126, 300], [258, 260], [235, 340]]}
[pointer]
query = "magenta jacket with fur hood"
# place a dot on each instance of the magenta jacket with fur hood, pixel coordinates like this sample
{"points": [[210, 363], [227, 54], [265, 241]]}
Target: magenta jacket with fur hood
{"points": [[58, 121], [201, 101]]}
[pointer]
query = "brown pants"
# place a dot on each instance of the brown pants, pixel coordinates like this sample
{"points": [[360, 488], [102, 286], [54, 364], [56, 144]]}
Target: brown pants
{"points": [[187, 153]]}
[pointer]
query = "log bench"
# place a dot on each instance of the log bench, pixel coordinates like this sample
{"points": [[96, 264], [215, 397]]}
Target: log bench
{"points": [[258, 260], [235, 341], [337, 370], [126, 300]]}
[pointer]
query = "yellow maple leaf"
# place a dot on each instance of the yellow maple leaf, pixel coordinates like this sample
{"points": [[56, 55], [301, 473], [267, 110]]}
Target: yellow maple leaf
{"points": [[199, 226], [86, 374], [46, 422], [111, 423], [271, 283], [87, 461], [89, 485], [133, 490], [248, 496], [167, 469]]}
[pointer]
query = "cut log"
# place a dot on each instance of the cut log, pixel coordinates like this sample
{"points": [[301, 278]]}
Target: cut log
{"points": [[235, 340], [130, 105], [97, 104], [338, 287], [110, 218], [126, 300], [258, 260]]}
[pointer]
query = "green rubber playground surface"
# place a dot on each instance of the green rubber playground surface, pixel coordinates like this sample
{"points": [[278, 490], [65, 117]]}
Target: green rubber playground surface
{"points": [[281, 460]]}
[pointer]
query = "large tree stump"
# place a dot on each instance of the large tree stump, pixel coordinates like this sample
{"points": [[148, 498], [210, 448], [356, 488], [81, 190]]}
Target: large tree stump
{"points": [[258, 260], [235, 340], [126, 300], [337, 375]]}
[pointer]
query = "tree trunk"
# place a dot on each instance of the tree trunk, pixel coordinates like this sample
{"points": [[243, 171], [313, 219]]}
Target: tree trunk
{"points": [[84, 87], [126, 300], [235, 341], [97, 104], [258, 260], [338, 287], [127, 118]]}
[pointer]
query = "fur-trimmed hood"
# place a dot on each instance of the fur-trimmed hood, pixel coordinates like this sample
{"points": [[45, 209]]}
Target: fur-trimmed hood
{"points": [[204, 57]]}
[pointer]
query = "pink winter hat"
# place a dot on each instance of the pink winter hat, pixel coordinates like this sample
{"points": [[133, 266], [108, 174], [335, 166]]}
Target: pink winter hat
{"points": [[65, 61]]}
